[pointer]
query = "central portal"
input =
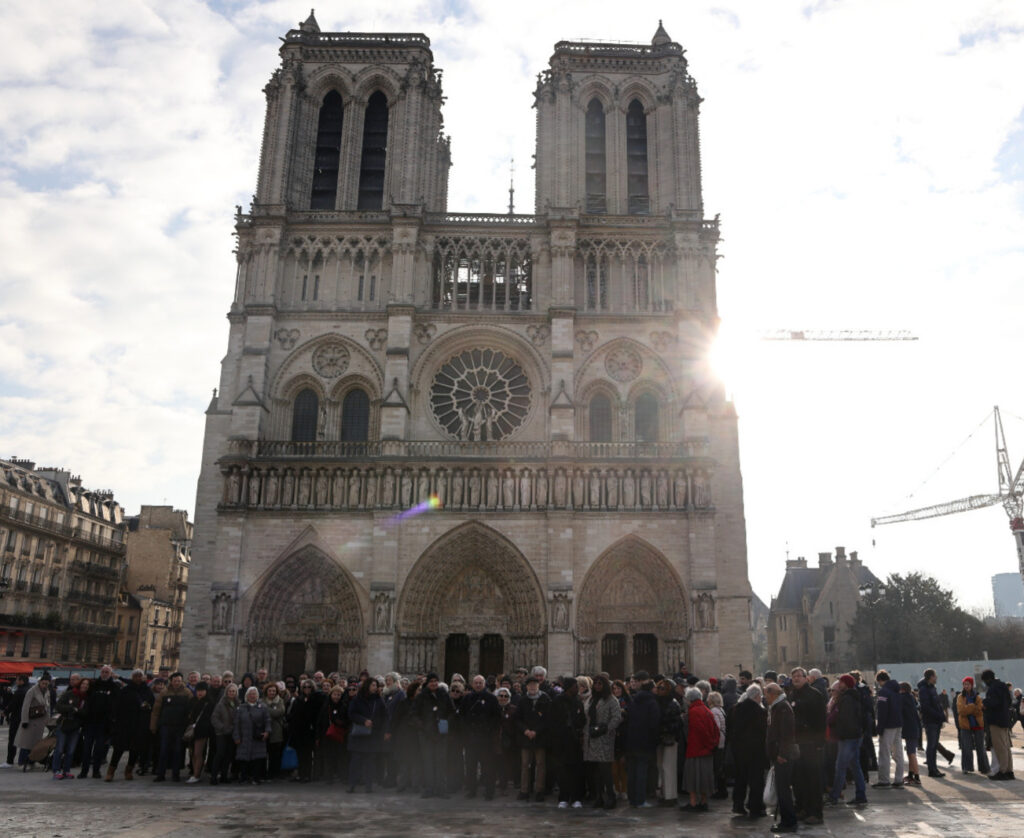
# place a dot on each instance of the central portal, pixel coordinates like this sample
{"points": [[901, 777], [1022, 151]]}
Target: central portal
{"points": [[471, 604]]}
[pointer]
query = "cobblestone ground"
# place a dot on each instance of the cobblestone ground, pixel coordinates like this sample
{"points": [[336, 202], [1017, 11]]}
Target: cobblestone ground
{"points": [[31, 804]]}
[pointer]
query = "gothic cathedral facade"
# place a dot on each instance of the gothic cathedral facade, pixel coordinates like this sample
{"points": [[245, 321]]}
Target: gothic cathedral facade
{"points": [[471, 442]]}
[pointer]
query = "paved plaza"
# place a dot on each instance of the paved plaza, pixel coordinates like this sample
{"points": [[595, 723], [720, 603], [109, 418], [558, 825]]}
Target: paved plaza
{"points": [[32, 804]]}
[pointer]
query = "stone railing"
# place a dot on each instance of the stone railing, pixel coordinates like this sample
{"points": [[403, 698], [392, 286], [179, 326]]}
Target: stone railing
{"points": [[641, 485], [479, 218]]}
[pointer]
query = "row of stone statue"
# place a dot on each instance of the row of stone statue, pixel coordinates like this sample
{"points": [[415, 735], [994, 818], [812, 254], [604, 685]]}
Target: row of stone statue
{"points": [[472, 488]]}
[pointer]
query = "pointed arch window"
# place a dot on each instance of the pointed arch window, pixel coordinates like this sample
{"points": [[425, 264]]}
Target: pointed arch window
{"points": [[596, 165], [305, 413], [646, 418], [375, 143], [600, 418], [355, 417], [636, 159], [328, 153]]}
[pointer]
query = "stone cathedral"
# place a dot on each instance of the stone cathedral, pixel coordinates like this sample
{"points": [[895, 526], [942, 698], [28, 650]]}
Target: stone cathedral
{"points": [[471, 442]]}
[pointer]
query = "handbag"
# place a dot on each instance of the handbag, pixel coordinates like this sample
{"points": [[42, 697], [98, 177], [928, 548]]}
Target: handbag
{"points": [[361, 730], [36, 711], [442, 726], [189, 736], [771, 791], [336, 733], [598, 730], [289, 759]]}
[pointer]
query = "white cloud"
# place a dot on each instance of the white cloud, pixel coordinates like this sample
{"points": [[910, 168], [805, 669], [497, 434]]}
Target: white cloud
{"points": [[856, 150]]}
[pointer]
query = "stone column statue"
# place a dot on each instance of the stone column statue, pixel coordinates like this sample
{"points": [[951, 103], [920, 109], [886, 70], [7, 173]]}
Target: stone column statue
{"points": [[371, 489], [612, 488], [304, 488], [273, 485], [321, 488], [579, 497], [662, 490], [234, 486], [645, 489], [542, 489], [525, 489], [354, 489], [474, 489], [560, 488], [595, 489], [508, 489], [288, 488], [680, 489], [492, 489], [406, 500], [441, 489], [629, 490], [389, 488], [457, 489], [254, 488]]}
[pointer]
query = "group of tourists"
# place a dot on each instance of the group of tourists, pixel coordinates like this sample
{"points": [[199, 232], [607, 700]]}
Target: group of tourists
{"points": [[793, 744]]}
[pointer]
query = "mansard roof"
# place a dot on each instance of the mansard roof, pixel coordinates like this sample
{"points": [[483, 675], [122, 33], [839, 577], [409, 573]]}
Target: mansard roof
{"points": [[808, 582]]}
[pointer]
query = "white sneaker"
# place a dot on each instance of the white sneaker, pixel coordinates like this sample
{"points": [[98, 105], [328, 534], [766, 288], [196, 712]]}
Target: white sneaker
{"points": [[577, 805], [192, 780], [6, 765], [563, 804]]}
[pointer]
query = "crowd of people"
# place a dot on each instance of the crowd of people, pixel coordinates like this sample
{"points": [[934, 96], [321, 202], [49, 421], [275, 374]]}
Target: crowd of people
{"points": [[794, 744]]}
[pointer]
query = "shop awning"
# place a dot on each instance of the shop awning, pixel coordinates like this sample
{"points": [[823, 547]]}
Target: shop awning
{"points": [[23, 667]]}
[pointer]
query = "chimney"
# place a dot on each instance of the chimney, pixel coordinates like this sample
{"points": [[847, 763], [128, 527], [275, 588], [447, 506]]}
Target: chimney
{"points": [[853, 558], [824, 560], [796, 563], [840, 555]]}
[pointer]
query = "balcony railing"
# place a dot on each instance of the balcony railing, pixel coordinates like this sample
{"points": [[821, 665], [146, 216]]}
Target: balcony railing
{"points": [[36, 588], [82, 534], [95, 569], [455, 449], [36, 521]]}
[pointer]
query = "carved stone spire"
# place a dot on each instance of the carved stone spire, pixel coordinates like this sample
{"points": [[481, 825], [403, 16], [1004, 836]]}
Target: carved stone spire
{"points": [[310, 24], [661, 37]]}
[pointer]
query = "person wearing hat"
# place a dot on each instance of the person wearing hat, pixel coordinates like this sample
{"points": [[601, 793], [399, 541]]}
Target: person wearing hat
{"points": [[35, 714], [168, 720], [532, 726], [996, 704], [433, 709], [849, 729]]}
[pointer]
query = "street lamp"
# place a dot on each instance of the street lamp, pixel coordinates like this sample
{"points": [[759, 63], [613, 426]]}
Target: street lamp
{"points": [[871, 594]]}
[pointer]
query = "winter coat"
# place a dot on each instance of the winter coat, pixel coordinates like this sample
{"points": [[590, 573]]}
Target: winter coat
{"points": [[481, 716], [133, 706], [911, 719], [223, 718], [509, 733], [970, 711], [780, 740], [533, 715], [200, 714], [403, 726], [890, 706], [361, 709], [430, 708], [71, 709], [850, 718], [604, 712], [276, 708], [15, 703], [996, 703], [730, 695], [30, 730], [302, 719], [565, 728], [100, 701], [702, 732], [170, 708], [251, 722], [931, 710], [808, 715], [748, 726], [670, 726], [644, 720], [719, 716], [332, 713]]}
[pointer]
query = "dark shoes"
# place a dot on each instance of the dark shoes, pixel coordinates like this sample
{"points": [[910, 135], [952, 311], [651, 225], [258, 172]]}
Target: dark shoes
{"points": [[159, 778], [881, 785], [539, 797], [779, 828], [936, 774]]}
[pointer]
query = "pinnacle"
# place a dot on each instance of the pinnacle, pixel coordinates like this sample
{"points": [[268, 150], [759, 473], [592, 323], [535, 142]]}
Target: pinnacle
{"points": [[310, 24], [660, 37]]}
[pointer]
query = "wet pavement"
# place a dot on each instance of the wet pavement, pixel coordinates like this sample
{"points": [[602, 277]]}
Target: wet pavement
{"points": [[32, 804]]}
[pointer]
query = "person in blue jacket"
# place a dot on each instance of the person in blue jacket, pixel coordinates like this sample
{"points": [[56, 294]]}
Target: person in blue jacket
{"points": [[933, 716], [889, 726]]}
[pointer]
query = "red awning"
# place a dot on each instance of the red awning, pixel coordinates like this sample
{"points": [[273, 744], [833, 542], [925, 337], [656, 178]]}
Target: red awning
{"points": [[24, 667]]}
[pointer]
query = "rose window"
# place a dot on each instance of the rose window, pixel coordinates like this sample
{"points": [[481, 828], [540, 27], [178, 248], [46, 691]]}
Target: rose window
{"points": [[480, 395]]}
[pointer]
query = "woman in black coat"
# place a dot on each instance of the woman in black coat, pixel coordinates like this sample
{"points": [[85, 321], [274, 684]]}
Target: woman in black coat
{"points": [[332, 730], [405, 740], [366, 738], [748, 726], [133, 705], [302, 720]]}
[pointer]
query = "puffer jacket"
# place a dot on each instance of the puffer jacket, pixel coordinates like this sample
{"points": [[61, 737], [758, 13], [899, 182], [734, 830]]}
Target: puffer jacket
{"points": [[970, 713]]}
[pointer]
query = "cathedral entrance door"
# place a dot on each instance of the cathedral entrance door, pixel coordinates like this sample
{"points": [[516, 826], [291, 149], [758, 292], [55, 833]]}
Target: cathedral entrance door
{"points": [[456, 656], [613, 655], [293, 661], [327, 657], [645, 653], [492, 654]]}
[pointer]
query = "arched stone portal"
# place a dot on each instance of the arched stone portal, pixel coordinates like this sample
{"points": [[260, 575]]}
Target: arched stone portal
{"points": [[473, 595], [632, 612], [305, 616]]}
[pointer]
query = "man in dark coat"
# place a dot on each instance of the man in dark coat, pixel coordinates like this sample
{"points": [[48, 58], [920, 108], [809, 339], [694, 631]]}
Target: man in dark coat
{"points": [[302, 727], [933, 717], [13, 711], [168, 720], [566, 743], [132, 707], [809, 719], [849, 729], [433, 712], [532, 727], [481, 717], [640, 740], [996, 706], [782, 751], [99, 720], [889, 725]]}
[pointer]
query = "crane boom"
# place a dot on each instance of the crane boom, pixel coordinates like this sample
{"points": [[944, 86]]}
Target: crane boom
{"points": [[962, 505], [837, 334]]}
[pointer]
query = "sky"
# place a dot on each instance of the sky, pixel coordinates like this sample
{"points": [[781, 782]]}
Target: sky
{"points": [[866, 158]]}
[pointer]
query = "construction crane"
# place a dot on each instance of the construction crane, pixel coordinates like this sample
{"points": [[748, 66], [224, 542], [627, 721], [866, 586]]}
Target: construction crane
{"points": [[1011, 496], [836, 334]]}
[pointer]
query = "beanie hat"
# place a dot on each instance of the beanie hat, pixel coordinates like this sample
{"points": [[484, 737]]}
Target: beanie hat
{"points": [[969, 680], [432, 676], [848, 681]]}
